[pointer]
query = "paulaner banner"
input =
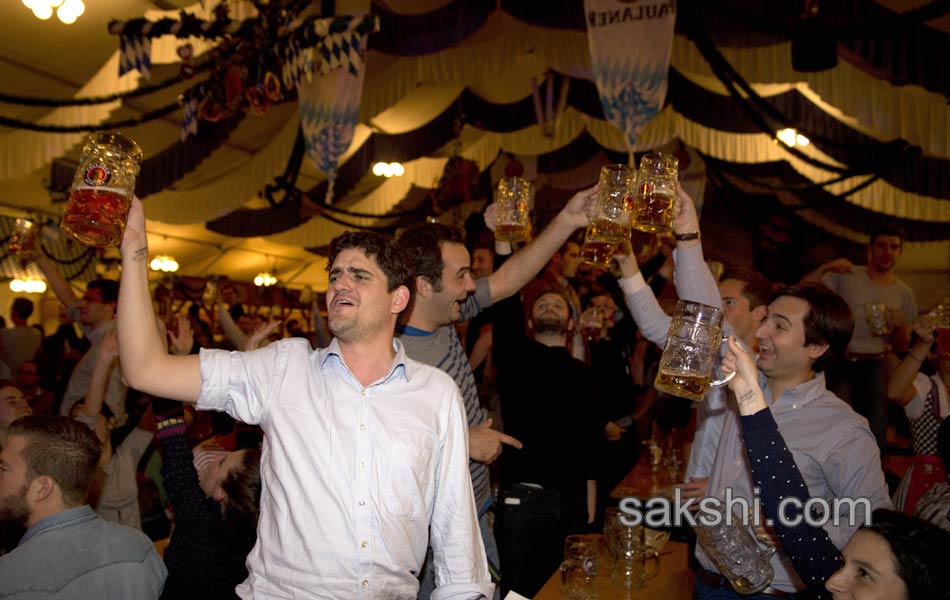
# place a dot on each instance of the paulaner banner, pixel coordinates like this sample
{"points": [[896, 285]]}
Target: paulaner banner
{"points": [[630, 46], [330, 103]]}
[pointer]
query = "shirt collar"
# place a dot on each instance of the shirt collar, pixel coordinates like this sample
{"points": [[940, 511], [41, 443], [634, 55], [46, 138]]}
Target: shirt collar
{"points": [[802, 394], [399, 365], [73, 515], [95, 336]]}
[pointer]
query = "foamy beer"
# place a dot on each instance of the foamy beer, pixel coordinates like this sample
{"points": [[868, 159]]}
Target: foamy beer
{"points": [[690, 352], [512, 223], [610, 223], [102, 190], [653, 207]]}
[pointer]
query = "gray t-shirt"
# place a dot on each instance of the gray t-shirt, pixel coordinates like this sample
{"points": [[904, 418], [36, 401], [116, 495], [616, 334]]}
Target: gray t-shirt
{"points": [[858, 290], [443, 349]]}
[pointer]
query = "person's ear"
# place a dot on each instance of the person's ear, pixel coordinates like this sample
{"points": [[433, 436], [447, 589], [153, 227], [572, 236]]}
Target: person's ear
{"points": [[423, 286], [41, 488], [815, 351], [400, 299], [759, 312]]}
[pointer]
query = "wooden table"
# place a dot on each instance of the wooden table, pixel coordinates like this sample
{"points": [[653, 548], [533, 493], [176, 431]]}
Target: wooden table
{"points": [[645, 482], [675, 580]]}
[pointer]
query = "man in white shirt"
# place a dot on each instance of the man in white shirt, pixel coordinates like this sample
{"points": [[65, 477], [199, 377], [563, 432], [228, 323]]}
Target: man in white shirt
{"points": [[366, 450]]}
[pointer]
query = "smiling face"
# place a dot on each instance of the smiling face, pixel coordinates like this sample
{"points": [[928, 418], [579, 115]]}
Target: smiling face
{"points": [[869, 571], [457, 284], [359, 307], [482, 263], [783, 354]]}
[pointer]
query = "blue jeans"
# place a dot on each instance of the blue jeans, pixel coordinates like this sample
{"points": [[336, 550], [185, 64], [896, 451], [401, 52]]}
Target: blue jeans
{"points": [[427, 577]]}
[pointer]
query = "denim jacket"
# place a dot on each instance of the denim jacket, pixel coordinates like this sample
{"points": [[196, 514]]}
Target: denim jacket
{"points": [[77, 555]]}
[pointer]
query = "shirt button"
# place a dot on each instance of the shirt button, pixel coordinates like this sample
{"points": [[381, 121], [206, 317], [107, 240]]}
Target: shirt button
{"points": [[364, 583], [364, 544], [363, 393], [362, 465], [362, 426], [362, 503], [794, 406]]}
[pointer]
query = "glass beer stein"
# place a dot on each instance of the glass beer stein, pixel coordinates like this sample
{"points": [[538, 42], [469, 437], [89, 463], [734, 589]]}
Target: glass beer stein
{"points": [[23, 239], [101, 194], [610, 223], [731, 547], [653, 207], [512, 222], [579, 569], [875, 313], [691, 350]]}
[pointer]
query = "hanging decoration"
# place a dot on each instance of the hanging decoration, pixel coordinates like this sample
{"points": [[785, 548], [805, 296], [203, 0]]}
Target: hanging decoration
{"points": [[630, 51], [330, 103], [257, 62]]}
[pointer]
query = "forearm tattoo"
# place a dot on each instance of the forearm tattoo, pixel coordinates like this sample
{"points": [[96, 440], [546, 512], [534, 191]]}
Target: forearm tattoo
{"points": [[141, 254], [746, 399]]}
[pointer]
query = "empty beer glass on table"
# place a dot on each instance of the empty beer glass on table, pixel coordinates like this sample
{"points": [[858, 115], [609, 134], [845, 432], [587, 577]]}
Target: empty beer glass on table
{"points": [[691, 350], [653, 206], [579, 569], [731, 547], [101, 194], [875, 313], [512, 222], [610, 221], [627, 552]]}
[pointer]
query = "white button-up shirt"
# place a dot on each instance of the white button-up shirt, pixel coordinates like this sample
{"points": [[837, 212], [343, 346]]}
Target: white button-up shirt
{"points": [[353, 477]]}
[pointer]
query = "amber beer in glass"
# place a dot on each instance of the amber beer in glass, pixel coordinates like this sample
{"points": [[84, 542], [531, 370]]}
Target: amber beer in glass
{"points": [[512, 221], [610, 222], [691, 350], [653, 207], [943, 328], [101, 194]]}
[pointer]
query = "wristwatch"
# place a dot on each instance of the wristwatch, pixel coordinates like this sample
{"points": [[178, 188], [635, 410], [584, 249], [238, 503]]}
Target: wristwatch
{"points": [[686, 237]]}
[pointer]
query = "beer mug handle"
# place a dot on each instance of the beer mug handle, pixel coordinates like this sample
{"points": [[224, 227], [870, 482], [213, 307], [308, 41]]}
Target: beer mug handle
{"points": [[651, 554], [727, 378]]}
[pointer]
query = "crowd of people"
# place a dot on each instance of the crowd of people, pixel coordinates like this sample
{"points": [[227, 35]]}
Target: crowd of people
{"points": [[465, 406]]}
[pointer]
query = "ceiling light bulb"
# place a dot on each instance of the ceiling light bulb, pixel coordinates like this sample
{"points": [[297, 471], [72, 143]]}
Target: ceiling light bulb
{"points": [[156, 264], [802, 140], [397, 169], [42, 11], [54, 3], [66, 17], [787, 136], [16, 285], [379, 169]]}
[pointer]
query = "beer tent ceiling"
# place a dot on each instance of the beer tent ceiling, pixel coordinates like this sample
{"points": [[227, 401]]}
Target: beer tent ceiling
{"points": [[447, 77]]}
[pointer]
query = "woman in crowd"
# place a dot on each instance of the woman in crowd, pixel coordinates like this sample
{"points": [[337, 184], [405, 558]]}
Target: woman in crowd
{"points": [[896, 557]]}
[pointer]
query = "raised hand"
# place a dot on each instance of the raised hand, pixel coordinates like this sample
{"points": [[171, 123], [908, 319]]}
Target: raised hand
{"points": [[685, 219], [256, 339], [135, 240], [490, 215], [182, 341], [745, 384], [924, 326], [108, 347], [579, 208]]}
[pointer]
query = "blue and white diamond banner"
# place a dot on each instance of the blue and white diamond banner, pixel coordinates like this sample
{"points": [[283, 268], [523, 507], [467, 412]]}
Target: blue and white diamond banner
{"points": [[630, 46], [135, 52], [329, 109]]}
